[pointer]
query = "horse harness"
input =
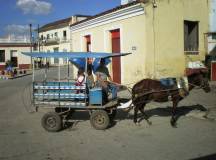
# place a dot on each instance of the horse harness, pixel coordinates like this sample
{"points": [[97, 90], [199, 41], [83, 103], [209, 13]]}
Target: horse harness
{"points": [[182, 86]]}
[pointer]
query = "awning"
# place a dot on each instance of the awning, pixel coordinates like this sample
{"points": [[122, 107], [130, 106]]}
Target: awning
{"points": [[73, 54]]}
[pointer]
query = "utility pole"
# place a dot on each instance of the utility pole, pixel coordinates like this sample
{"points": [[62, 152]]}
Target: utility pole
{"points": [[30, 38], [38, 38], [30, 27]]}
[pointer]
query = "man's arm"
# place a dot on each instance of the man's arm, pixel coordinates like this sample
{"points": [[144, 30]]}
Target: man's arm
{"points": [[110, 78], [108, 75]]}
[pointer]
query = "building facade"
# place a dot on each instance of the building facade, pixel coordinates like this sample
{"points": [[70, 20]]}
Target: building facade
{"points": [[163, 36], [55, 36], [10, 50]]}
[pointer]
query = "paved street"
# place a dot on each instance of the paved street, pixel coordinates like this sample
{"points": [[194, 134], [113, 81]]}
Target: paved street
{"points": [[23, 138]]}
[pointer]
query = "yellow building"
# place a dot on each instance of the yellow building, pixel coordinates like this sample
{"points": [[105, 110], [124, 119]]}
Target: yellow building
{"points": [[162, 35]]}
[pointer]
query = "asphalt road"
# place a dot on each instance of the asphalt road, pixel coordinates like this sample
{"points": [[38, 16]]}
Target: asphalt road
{"points": [[23, 138]]}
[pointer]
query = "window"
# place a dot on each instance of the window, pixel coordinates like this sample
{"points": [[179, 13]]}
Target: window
{"points": [[2, 55], [56, 60], [56, 34], [64, 34], [41, 37], [214, 36], [65, 59], [48, 36], [191, 37]]}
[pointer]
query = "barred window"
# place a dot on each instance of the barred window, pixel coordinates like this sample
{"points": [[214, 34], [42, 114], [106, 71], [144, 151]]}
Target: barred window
{"points": [[191, 37]]}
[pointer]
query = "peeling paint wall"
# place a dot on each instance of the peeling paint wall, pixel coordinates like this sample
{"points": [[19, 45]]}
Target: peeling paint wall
{"points": [[165, 31]]}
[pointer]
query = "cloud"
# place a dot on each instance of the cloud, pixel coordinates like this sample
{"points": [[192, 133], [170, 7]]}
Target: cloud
{"points": [[34, 7], [17, 29]]}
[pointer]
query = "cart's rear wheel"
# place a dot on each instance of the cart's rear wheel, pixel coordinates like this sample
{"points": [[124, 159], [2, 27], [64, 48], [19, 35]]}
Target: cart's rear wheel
{"points": [[100, 119], [51, 122]]}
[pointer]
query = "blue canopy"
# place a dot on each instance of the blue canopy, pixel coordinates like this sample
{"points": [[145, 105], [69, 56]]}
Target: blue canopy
{"points": [[96, 63], [81, 62], [78, 62], [73, 54]]}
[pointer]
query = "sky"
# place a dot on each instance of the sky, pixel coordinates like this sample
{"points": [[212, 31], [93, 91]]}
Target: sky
{"points": [[16, 15]]}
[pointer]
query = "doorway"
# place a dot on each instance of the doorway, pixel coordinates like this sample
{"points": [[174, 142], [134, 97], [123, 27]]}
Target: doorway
{"points": [[116, 61], [13, 58], [213, 70], [56, 60]]}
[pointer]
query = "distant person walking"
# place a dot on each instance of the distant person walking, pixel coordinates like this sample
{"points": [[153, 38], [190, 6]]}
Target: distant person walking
{"points": [[47, 64]]}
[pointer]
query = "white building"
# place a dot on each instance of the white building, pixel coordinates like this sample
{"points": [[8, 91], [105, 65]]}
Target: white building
{"points": [[55, 36], [10, 50]]}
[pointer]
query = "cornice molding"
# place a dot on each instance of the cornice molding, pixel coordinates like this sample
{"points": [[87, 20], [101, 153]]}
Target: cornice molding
{"points": [[121, 14]]}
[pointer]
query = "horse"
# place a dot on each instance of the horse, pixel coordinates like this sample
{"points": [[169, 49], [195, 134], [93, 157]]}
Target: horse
{"points": [[148, 90]]}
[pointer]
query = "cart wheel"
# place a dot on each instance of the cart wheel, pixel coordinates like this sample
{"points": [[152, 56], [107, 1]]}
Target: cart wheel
{"points": [[51, 122], [100, 120]]}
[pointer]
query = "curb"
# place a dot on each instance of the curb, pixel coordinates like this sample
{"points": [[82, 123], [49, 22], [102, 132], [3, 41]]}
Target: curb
{"points": [[3, 77], [19, 76]]}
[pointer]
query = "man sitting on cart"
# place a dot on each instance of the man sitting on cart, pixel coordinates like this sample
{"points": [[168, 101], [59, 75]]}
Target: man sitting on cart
{"points": [[102, 77]]}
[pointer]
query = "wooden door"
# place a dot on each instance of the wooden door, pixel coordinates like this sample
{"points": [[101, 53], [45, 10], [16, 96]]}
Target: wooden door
{"points": [[213, 71], [88, 43], [116, 61]]}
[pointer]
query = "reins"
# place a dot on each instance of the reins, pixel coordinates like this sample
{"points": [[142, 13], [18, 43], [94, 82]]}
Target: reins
{"points": [[195, 85], [198, 87]]}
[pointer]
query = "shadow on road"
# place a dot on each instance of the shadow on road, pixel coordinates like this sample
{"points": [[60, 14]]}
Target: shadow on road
{"points": [[122, 115], [207, 157], [163, 112]]}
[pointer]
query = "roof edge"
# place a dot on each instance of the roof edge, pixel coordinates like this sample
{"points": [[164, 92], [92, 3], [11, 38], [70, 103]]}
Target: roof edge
{"points": [[110, 11]]}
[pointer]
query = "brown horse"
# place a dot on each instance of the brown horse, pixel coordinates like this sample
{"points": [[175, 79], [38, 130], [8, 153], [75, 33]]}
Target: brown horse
{"points": [[148, 90]]}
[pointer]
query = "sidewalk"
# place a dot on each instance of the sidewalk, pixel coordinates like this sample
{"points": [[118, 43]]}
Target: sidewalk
{"points": [[6, 77]]}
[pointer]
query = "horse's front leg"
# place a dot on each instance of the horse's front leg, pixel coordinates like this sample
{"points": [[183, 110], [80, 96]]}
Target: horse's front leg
{"points": [[144, 115], [173, 118]]}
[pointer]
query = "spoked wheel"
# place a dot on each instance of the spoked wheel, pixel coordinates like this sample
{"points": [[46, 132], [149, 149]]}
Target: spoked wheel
{"points": [[51, 122], [100, 119]]}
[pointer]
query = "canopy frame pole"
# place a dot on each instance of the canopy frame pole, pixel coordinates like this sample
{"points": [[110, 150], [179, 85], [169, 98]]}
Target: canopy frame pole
{"points": [[68, 69], [59, 70], [86, 68], [45, 76], [33, 68]]}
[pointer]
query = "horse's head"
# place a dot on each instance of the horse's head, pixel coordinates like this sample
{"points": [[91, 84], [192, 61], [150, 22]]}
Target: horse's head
{"points": [[198, 79]]}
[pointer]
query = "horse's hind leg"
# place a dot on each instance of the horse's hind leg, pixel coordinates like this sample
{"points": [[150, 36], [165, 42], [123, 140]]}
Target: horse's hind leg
{"points": [[135, 114], [173, 118], [144, 115]]}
